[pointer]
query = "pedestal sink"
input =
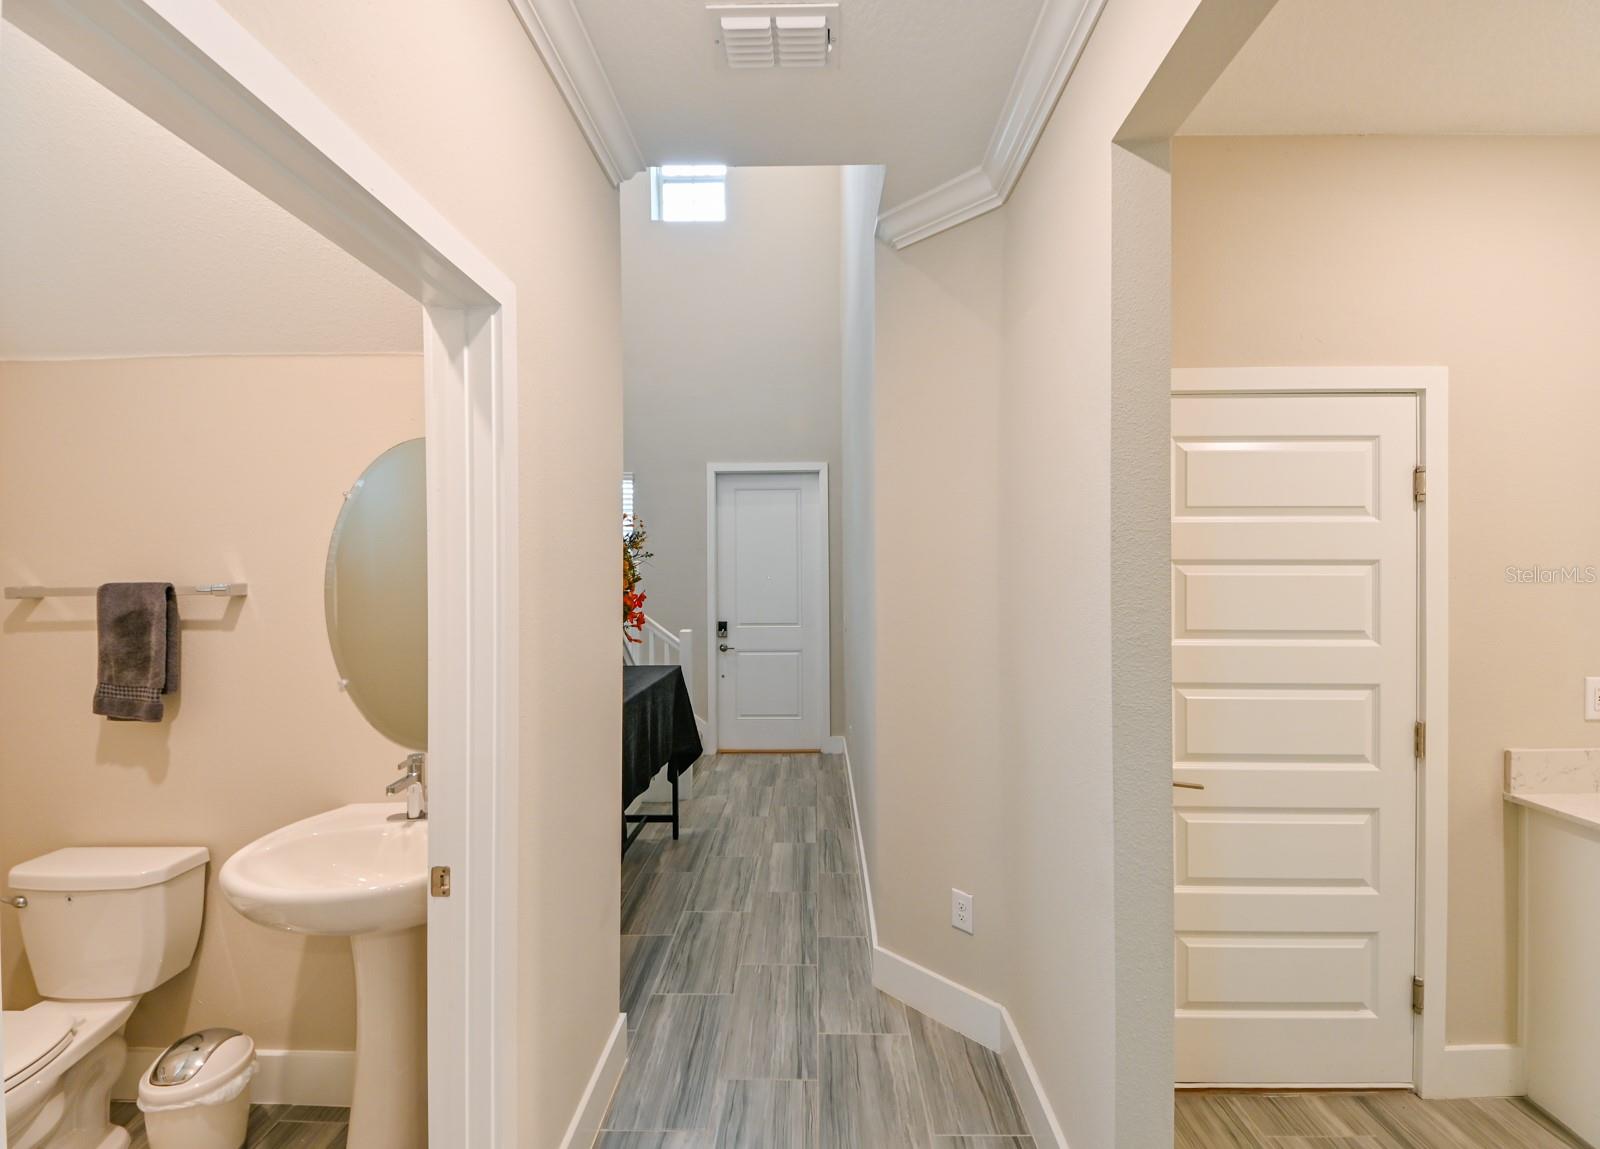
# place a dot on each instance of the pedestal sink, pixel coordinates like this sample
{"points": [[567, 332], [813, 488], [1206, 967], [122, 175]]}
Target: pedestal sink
{"points": [[361, 872]]}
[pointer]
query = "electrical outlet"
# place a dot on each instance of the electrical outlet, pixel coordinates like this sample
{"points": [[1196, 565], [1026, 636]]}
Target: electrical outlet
{"points": [[1591, 699], [961, 910]]}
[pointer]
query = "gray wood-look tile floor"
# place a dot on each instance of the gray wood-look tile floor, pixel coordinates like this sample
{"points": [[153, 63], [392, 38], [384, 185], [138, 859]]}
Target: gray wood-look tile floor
{"points": [[747, 981], [271, 1126], [1387, 1120]]}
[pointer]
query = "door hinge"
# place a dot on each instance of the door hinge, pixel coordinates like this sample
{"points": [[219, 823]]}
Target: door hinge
{"points": [[1419, 486], [1416, 996], [1419, 741], [439, 883]]}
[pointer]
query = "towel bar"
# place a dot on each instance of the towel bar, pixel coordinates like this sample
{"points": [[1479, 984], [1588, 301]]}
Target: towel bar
{"points": [[216, 589]]}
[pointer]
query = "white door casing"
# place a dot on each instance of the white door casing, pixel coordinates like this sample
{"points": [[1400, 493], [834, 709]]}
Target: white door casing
{"points": [[190, 66], [1295, 674], [769, 586]]}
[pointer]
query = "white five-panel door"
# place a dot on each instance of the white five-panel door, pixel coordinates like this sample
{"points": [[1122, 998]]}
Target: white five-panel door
{"points": [[1294, 663], [771, 626]]}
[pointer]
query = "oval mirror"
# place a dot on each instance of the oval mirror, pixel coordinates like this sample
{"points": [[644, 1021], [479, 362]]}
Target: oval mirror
{"points": [[377, 594]]}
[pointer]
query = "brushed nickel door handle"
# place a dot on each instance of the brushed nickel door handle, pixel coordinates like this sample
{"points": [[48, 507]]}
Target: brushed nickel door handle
{"points": [[724, 647]]}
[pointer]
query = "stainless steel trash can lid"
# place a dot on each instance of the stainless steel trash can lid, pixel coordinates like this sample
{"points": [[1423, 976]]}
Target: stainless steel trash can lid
{"points": [[187, 1056]]}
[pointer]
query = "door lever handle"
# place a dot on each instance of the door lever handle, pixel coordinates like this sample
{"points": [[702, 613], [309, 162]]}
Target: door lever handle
{"points": [[724, 647], [1189, 785]]}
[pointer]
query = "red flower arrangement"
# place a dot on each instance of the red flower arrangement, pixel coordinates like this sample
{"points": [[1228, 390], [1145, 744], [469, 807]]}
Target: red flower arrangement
{"points": [[634, 555]]}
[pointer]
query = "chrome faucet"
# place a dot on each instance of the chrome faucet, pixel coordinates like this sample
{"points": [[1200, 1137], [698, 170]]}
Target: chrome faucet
{"points": [[414, 783]]}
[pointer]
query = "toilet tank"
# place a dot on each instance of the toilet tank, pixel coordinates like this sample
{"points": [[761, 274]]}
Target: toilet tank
{"points": [[110, 921]]}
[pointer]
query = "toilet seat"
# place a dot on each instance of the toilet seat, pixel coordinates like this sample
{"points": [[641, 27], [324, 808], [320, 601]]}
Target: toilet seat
{"points": [[33, 1039]]}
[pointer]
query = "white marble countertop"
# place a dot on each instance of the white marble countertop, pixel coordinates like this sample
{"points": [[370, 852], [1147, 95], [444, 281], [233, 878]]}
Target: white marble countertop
{"points": [[1584, 808]]}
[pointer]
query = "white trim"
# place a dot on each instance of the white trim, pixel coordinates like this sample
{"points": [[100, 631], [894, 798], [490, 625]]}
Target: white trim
{"points": [[966, 1011], [1059, 37], [1441, 1070], [585, 1125], [1478, 1071], [861, 847], [558, 32], [967, 196], [283, 1076], [1025, 1081], [193, 69], [801, 468], [833, 744], [1054, 49], [1287, 1086]]}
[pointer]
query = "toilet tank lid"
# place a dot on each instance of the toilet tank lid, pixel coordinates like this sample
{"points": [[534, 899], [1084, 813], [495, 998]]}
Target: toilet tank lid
{"points": [[107, 867]]}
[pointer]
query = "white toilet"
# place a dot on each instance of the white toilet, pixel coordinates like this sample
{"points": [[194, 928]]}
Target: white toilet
{"points": [[103, 926]]}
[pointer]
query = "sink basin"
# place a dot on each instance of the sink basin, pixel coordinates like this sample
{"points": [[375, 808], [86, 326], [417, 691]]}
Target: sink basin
{"points": [[359, 871], [355, 870]]}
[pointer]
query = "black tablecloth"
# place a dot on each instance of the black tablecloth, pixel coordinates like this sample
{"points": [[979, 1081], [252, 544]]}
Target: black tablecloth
{"points": [[657, 727]]}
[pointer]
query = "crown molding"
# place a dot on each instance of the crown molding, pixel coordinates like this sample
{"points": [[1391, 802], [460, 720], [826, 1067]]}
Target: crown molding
{"points": [[1054, 49], [558, 32], [955, 201]]}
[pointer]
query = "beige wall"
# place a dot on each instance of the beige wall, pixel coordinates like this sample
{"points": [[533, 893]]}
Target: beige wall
{"points": [[1001, 772], [194, 469], [1109, 1071], [731, 353], [455, 97], [939, 774], [1481, 254]]}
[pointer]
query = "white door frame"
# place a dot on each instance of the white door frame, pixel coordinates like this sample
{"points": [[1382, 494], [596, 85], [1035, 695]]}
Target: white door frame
{"points": [[712, 471], [1431, 387], [192, 68]]}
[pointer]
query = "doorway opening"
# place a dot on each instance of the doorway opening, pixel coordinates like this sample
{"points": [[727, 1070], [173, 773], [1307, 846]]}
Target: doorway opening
{"points": [[191, 69]]}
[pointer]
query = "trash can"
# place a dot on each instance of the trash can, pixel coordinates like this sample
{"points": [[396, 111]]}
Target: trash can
{"points": [[197, 1094]]}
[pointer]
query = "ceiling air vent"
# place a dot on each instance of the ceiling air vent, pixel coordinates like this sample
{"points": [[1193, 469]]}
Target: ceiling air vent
{"points": [[748, 42], [802, 41], [777, 35]]}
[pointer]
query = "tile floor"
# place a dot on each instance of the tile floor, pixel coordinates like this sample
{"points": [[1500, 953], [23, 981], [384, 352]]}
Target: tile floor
{"points": [[747, 980], [271, 1126], [1390, 1120]]}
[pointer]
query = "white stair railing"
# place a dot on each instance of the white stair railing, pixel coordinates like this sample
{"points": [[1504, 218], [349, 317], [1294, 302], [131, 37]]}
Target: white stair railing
{"points": [[659, 646]]}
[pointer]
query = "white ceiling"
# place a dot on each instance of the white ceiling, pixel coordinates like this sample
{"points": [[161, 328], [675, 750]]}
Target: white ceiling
{"points": [[1412, 67], [118, 239], [917, 85]]}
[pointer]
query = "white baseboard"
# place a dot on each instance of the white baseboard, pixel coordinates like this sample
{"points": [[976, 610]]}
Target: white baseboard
{"points": [[833, 744], [1478, 1071], [1030, 1092], [283, 1076], [964, 1010], [585, 1126], [949, 1003], [861, 844]]}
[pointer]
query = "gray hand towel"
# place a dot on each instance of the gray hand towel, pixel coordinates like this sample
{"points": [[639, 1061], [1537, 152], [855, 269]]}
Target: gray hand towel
{"points": [[139, 647]]}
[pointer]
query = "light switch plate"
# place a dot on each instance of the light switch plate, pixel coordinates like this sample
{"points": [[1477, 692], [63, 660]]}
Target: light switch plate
{"points": [[1591, 699]]}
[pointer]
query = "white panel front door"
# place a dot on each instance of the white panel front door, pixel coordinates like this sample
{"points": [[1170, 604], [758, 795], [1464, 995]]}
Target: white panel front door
{"points": [[1294, 694], [772, 570]]}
